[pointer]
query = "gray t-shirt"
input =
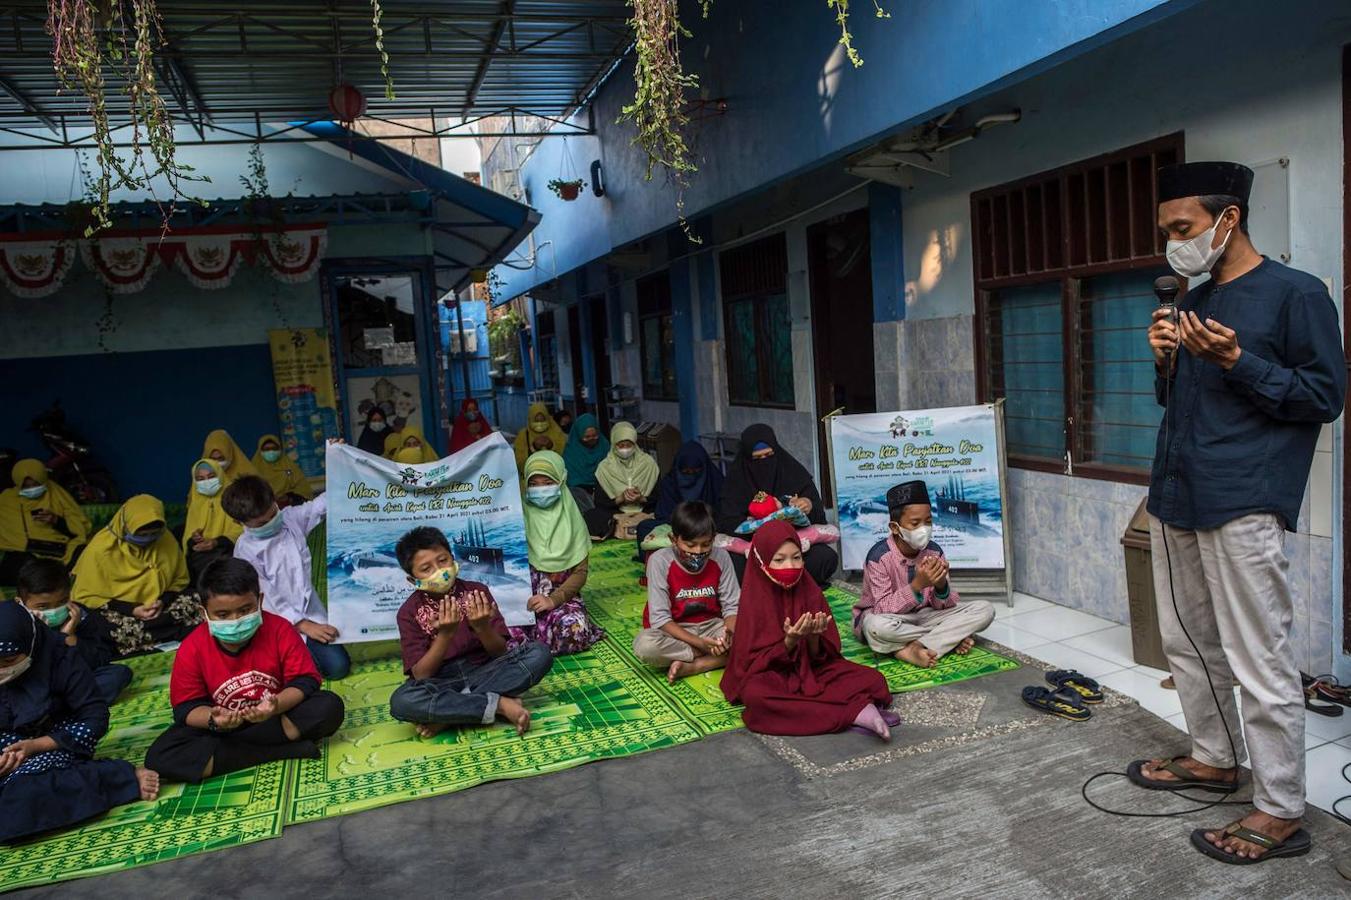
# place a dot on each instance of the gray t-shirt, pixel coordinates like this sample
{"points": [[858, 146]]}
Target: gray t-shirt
{"points": [[674, 594]]}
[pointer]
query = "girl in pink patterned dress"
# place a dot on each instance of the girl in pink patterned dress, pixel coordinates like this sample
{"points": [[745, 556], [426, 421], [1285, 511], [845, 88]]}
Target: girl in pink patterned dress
{"points": [[558, 545]]}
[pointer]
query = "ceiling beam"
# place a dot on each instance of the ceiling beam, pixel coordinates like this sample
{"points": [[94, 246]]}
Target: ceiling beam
{"points": [[493, 40], [8, 87]]}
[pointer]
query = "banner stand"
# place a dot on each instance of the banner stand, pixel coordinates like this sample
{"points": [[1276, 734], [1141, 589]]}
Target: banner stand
{"points": [[976, 583]]}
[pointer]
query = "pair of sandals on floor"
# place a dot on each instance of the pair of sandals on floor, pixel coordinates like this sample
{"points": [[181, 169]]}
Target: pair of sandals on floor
{"points": [[1075, 692]]}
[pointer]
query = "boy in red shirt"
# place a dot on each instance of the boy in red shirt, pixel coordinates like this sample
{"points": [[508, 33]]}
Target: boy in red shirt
{"points": [[454, 642], [244, 688], [692, 597]]}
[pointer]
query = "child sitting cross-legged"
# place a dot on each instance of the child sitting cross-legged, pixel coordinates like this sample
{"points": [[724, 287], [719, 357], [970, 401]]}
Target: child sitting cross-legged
{"points": [[244, 688], [44, 588], [454, 642], [908, 609], [692, 596]]}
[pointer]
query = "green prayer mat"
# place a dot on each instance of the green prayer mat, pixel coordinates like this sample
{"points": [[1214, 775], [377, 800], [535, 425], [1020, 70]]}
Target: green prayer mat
{"points": [[590, 706], [222, 812], [615, 599]]}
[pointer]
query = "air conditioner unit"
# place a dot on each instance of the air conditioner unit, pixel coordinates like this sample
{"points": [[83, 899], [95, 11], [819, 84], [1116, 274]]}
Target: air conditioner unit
{"points": [[464, 342]]}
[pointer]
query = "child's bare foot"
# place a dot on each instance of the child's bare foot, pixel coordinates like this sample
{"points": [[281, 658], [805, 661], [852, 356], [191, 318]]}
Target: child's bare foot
{"points": [[430, 729], [871, 718], [681, 669], [511, 709], [965, 646], [917, 654], [149, 782]]}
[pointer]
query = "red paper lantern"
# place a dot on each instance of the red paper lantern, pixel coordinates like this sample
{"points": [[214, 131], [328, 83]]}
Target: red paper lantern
{"points": [[347, 103]]}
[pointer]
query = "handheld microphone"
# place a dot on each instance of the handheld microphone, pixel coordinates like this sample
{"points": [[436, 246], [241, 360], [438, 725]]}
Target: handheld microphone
{"points": [[1166, 289]]}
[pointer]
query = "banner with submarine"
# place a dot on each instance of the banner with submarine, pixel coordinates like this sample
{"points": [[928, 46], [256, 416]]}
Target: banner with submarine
{"points": [[955, 451], [473, 496]]}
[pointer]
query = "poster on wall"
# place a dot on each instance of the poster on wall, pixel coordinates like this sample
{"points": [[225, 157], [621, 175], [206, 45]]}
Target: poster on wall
{"points": [[955, 451], [302, 370], [399, 397], [473, 496]]}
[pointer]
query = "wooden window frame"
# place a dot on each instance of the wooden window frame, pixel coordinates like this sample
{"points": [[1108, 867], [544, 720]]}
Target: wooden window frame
{"points": [[664, 315], [1067, 258], [733, 294]]}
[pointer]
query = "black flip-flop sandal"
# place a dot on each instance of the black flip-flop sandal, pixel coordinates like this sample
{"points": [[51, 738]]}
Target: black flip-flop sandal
{"points": [[1297, 844], [1186, 781], [1088, 690], [1314, 702], [1064, 704]]}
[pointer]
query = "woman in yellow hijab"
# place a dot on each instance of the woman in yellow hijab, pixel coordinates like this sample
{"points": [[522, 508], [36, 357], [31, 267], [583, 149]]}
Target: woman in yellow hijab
{"points": [[541, 432], [133, 571], [282, 472], [234, 462], [208, 533], [38, 519], [409, 446]]}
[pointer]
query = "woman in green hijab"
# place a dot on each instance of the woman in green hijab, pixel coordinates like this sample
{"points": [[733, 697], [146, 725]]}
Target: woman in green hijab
{"points": [[586, 448], [625, 480], [558, 546]]}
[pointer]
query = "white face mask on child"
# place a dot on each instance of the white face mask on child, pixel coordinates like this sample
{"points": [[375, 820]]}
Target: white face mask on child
{"points": [[917, 538]]}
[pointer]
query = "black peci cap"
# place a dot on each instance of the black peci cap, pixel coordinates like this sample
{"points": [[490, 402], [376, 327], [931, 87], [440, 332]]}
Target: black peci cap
{"points": [[906, 493], [1201, 178]]}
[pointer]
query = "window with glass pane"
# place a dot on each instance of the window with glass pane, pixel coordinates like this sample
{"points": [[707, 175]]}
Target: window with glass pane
{"points": [[656, 337], [1117, 416], [376, 320], [757, 329], [1025, 365]]}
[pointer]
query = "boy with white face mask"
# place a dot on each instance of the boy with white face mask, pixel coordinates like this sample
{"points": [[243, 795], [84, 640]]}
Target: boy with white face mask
{"points": [[908, 609]]}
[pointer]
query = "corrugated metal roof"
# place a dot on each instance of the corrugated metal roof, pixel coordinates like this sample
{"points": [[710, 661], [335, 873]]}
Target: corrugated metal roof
{"points": [[277, 61]]}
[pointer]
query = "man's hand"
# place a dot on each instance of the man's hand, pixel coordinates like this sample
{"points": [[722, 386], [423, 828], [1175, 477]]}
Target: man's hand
{"points": [[1163, 337], [539, 604], [226, 719], [941, 577], [927, 573], [1209, 340], [148, 611], [263, 710], [46, 516], [448, 617], [324, 634], [479, 610]]}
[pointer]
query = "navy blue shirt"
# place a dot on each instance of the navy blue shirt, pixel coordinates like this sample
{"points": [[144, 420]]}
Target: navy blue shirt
{"points": [[1242, 441]]}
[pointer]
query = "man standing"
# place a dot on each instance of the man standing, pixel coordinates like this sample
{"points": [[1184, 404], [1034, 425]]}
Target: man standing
{"points": [[1247, 373]]}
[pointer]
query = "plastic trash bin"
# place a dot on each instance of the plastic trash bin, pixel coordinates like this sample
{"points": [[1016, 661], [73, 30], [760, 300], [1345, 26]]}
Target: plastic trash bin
{"points": [[1146, 645]]}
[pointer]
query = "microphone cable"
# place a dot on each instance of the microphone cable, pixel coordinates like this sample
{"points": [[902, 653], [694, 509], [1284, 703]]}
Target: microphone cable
{"points": [[1198, 805]]}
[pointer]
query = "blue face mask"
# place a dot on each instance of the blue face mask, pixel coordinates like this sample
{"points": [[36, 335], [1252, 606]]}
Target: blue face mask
{"points": [[692, 562], [208, 487], [271, 455], [33, 493], [543, 495], [236, 631], [268, 530], [143, 540]]}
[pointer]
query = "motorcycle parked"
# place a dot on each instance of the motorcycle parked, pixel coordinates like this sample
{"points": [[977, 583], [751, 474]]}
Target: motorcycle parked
{"points": [[72, 464]]}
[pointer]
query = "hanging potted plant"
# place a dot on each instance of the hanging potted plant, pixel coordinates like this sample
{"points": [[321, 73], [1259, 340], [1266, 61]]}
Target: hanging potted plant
{"points": [[567, 190]]}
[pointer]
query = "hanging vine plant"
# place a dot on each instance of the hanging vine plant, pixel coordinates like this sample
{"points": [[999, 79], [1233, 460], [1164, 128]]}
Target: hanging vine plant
{"points": [[376, 13], [90, 37], [658, 111]]}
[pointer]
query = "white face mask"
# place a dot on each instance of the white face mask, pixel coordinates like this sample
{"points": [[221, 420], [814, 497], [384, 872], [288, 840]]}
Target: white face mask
{"points": [[1196, 257], [624, 452], [33, 493], [377, 427], [14, 671], [917, 538]]}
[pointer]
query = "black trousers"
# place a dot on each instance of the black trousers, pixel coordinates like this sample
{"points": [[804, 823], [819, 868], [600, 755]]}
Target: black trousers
{"points": [[182, 752], [820, 561]]}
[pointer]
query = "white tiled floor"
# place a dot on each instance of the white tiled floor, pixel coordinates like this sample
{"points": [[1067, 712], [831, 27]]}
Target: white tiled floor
{"points": [[1101, 649]]}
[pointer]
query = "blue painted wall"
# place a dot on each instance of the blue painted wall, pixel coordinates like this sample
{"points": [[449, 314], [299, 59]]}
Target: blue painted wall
{"points": [[794, 100], [145, 414]]}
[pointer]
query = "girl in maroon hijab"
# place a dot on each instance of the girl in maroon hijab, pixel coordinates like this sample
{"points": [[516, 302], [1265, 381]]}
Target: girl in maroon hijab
{"points": [[785, 664], [470, 426]]}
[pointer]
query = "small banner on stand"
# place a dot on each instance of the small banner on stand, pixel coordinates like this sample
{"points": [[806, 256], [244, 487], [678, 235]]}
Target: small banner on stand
{"points": [[302, 369], [473, 497], [955, 451]]}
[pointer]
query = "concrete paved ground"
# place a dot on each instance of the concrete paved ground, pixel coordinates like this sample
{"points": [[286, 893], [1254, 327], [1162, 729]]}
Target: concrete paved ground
{"points": [[976, 797]]}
